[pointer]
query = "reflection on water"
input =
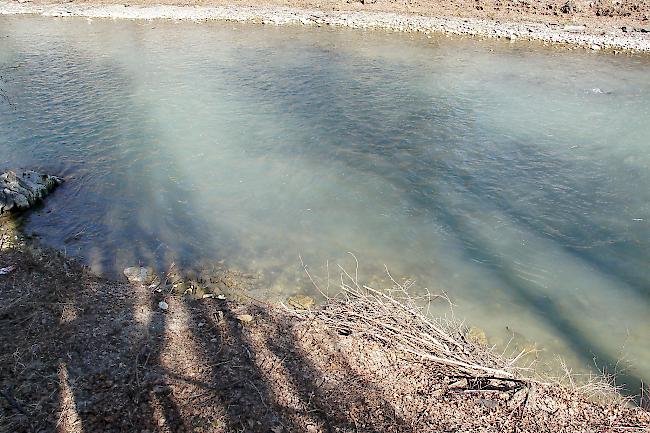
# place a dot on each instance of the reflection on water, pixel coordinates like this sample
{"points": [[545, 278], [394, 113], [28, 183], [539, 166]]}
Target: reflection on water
{"points": [[517, 180]]}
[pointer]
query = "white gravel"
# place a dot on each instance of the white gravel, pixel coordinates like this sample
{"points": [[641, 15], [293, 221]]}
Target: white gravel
{"points": [[574, 35]]}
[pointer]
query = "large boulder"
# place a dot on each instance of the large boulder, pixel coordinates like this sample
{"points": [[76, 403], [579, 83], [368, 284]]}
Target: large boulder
{"points": [[20, 190]]}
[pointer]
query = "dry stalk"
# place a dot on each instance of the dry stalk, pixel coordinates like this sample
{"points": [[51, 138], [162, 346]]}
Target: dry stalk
{"points": [[399, 320]]}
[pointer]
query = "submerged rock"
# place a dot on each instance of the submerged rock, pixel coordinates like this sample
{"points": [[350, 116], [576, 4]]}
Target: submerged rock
{"points": [[23, 189], [477, 336], [137, 275], [301, 302]]}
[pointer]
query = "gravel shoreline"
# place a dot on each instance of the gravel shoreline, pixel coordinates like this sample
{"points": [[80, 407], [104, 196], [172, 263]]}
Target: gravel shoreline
{"points": [[575, 35]]}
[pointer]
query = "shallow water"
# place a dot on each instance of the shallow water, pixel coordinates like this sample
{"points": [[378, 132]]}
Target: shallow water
{"points": [[513, 177]]}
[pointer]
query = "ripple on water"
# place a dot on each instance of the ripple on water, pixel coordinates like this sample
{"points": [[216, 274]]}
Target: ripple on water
{"points": [[498, 177]]}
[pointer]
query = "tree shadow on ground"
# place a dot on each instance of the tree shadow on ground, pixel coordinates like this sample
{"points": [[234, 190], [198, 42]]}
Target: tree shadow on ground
{"points": [[96, 355]]}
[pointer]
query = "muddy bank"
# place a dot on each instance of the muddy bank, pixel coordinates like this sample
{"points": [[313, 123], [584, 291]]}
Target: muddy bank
{"points": [[617, 26], [82, 353]]}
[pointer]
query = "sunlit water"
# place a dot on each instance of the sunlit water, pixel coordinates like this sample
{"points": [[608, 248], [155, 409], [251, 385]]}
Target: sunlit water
{"points": [[514, 177]]}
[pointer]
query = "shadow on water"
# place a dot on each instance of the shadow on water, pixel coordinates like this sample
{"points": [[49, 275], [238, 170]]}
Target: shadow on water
{"points": [[361, 113], [421, 144], [104, 136]]}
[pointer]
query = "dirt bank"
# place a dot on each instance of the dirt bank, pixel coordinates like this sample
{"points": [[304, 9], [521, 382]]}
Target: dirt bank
{"points": [[594, 13], [81, 353], [593, 24]]}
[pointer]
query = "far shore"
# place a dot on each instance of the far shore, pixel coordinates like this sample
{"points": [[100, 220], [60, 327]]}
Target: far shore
{"points": [[629, 32]]}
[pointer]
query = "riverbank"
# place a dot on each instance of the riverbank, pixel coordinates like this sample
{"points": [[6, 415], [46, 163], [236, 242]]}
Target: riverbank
{"points": [[83, 353], [594, 25]]}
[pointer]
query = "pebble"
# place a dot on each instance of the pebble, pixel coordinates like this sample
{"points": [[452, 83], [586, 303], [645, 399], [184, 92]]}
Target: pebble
{"points": [[163, 305]]}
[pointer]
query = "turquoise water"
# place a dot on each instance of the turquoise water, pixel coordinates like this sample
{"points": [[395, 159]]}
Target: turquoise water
{"points": [[513, 177]]}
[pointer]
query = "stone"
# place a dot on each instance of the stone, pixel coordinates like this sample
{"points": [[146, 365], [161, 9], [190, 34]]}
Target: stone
{"points": [[301, 302], [245, 318], [163, 305], [477, 336], [20, 190], [180, 288], [138, 275]]}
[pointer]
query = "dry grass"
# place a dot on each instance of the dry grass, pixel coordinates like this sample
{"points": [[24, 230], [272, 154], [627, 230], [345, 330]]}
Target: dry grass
{"points": [[401, 321]]}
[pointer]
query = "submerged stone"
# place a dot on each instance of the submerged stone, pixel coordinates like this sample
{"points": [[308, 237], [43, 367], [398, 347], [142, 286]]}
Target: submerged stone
{"points": [[477, 336], [20, 190], [137, 275], [301, 302]]}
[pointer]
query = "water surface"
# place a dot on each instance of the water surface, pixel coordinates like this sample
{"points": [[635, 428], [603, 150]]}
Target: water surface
{"points": [[513, 177]]}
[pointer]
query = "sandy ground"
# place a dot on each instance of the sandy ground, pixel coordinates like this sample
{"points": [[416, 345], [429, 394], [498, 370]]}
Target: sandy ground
{"points": [[79, 353]]}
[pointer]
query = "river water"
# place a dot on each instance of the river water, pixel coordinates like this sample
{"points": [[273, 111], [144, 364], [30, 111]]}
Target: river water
{"points": [[513, 177]]}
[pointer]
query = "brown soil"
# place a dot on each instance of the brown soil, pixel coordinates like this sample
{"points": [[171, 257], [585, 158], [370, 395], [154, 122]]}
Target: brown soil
{"points": [[82, 353], [634, 15]]}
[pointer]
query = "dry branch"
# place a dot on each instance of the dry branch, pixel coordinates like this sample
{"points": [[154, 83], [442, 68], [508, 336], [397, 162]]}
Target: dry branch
{"points": [[396, 319]]}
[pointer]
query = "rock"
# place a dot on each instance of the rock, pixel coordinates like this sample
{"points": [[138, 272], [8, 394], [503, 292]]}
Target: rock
{"points": [[21, 190], [181, 288], [245, 318], [477, 336], [163, 305], [301, 302], [595, 47], [137, 275]]}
